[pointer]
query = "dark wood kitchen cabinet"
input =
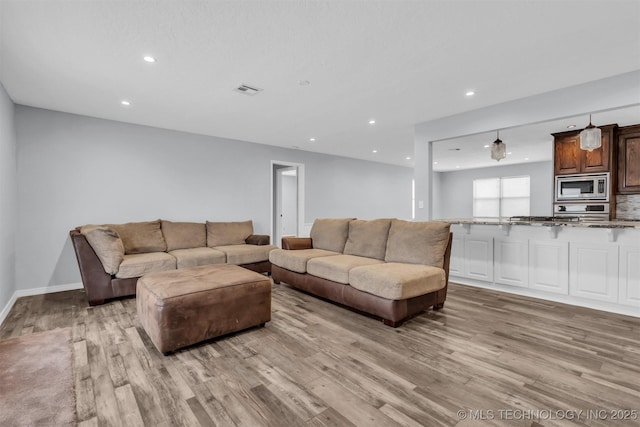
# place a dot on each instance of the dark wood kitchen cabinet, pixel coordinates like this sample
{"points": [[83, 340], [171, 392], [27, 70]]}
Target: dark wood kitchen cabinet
{"points": [[629, 160], [569, 159]]}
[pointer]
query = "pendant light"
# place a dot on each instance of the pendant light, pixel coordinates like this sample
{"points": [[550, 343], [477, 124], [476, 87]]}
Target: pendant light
{"points": [[498, 149], [590, 137]]}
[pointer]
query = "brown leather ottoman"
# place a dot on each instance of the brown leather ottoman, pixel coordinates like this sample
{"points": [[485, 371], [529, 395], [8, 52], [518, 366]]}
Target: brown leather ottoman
{"points": [[181, 307]]}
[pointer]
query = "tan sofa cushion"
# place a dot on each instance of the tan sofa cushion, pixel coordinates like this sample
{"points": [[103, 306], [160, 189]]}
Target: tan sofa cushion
{"points": [[368, 238], [136, 265], [195, 257], [246, 254], [330, 234], [337, 267], [184, 235], [397, 281], [228, 233], [296, 260], [417, 242], [106, 244], [141, 237]]}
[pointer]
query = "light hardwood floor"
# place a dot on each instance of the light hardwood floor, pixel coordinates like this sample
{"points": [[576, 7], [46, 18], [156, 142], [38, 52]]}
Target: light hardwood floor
{"points": [[499, 358]]}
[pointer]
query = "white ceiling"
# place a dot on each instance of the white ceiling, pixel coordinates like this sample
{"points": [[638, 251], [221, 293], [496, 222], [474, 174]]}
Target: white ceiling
{"points": [[525, 144], [398, 62]]}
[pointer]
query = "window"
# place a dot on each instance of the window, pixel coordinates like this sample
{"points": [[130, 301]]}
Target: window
{"points": [[501, 197]]}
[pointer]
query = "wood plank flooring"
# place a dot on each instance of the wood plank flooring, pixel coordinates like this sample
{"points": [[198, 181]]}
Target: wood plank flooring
{"points": [[500, 359]]}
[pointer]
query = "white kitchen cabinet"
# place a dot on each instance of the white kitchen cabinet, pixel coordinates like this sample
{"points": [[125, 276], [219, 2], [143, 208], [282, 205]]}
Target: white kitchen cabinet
{"points": [[549, 266], [629, 277], [478, 257], [593, 271], [584, 265], [511, 261], [456, 267]]}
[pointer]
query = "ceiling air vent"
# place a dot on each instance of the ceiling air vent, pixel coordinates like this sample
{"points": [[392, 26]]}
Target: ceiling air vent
{"points": [[247, 90]]}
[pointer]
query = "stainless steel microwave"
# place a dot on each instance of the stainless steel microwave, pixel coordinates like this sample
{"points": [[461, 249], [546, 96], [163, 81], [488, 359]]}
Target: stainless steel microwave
{"points": [[588, 186]]}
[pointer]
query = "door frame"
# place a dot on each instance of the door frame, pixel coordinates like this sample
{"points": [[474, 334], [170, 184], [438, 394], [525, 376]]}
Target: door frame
{"points": [[300, 225]]}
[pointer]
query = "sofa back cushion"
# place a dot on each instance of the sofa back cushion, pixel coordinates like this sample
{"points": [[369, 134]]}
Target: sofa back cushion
{"points": [[417, 242], [184, 235], [106, 244], [330, 234], [141, 237], [228, 233], [368, 238]]}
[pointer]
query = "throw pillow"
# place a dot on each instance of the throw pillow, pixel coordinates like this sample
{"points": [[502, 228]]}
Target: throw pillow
{"points": [[141, 237], [106, 244], [330, 234], [368, 238], [184, 235], [228, 233], [417, 242]]}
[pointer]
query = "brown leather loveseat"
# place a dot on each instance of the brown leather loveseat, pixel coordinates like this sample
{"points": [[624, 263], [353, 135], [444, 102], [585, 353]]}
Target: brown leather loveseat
{"points": [[389, 268]]}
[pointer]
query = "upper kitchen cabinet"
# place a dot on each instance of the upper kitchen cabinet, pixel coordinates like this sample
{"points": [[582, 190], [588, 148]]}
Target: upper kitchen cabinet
{"points": [[570, 159], [629, 160]]}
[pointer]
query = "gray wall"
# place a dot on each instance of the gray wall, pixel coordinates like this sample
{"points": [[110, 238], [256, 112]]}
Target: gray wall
{"points": [[453, 191], [8, 198], [74, 170]]}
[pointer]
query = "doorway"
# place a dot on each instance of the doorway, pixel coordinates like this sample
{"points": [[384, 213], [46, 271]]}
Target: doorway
{"points": [[287, 201]]}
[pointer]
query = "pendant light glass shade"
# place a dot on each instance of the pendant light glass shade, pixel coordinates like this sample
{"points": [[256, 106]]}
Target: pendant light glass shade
{"points": [[590, 137], [498, 149]]}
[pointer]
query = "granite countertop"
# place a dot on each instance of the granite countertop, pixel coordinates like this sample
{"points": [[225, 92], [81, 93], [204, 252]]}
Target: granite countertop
{"points": [[556, 222]]}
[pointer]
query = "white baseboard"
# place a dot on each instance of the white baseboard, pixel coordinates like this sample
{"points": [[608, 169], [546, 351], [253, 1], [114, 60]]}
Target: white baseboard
{"points": [[7, 308], [564, 299], [35, 291]]}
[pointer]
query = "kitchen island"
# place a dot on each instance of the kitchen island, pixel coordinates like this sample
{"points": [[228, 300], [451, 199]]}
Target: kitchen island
{"points": [[593, 264]]}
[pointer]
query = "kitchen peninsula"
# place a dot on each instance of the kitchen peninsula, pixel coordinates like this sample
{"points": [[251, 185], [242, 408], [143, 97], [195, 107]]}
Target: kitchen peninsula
{"points": [[593, 264]]}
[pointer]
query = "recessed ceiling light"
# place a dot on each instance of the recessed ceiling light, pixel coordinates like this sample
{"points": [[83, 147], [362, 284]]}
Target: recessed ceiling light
{"points": [[571, 126], [372, 122], [486, 146], [408, 158], [526, 158], [435, 163], [508, 152], [374, 151], [457, 166], [312, 139], [149, 59], [125, 103], [470, 93]]}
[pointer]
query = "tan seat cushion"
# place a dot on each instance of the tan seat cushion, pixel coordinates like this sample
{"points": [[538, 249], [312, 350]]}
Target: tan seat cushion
{"points": [[397, 281], [228, 233], [337, 267], [138, 264], [141, 237], [330, 234], [368, 238], [296, 260], [417, 242], [246, 254], [106, 244], [198, 256], [184, 235]]}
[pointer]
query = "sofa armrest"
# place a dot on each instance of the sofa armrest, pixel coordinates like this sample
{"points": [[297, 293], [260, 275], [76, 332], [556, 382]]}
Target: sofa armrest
{"points": [[258, 239], [296, 243], [97, 283]]}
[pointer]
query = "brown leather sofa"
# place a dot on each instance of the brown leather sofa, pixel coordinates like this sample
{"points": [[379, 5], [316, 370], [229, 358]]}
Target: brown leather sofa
{"points": [[390, 269], [111, 258]]}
